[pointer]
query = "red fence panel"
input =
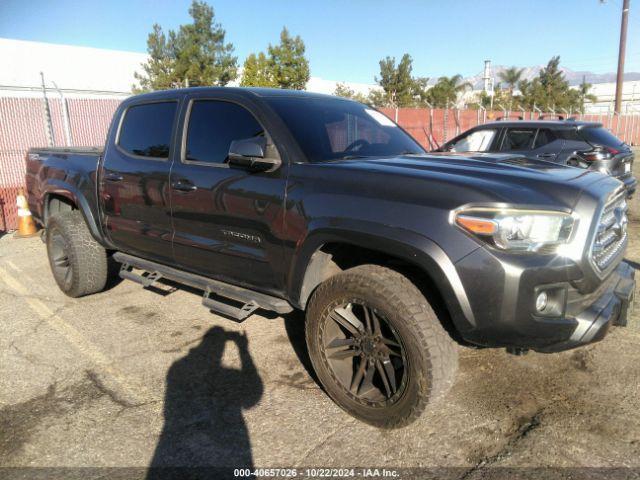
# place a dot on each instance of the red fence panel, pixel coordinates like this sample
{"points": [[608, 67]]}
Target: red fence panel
{"points": [[23, 125]]}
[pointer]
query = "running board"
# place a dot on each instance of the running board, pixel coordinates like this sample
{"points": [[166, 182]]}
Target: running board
{"points": [[248, 300]]}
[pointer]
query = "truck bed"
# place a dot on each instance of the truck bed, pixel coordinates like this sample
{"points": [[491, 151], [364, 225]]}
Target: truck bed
{"points": [[51, 170]]}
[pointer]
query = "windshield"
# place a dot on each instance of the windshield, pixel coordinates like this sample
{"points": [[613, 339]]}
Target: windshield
{"points": [[331, 129]]}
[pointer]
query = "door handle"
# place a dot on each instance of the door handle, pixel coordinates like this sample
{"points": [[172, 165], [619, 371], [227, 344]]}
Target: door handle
{"points": [[183, 186], [546, 155], [113, 177]]}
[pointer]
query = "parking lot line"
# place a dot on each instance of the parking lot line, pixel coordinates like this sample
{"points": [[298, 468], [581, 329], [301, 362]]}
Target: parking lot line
{"points": [[135, 393]]}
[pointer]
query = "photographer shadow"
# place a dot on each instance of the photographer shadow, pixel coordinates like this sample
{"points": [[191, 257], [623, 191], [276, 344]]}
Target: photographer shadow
{"points": [[204, 433]]}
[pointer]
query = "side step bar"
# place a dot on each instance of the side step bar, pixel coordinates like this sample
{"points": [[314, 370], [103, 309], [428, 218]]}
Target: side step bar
{"points": [[249, 300]]}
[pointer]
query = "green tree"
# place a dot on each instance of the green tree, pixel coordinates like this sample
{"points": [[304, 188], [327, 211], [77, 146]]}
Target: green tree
{"points": [[343, 90], [290, 66], [257, 72], [420, 91], [159, 71], [284, 66], [196, 54], [447, 90], [202, 56], [584, 95], [549, 90], [396, 81], [511, 76], [553, 84]]}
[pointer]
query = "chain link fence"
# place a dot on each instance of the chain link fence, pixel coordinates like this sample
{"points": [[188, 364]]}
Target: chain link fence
{"points": [[25, 123]]}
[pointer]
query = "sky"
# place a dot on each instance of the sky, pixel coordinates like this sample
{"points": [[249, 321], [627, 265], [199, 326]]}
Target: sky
{"points": [[345, 39]]}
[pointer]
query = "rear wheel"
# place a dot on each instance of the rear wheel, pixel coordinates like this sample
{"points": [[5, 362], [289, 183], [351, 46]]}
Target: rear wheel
{"points": [[377, 346], [78, 262]]}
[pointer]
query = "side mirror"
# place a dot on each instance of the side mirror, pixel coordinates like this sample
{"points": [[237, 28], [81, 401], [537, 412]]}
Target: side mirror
{"points": [[249, 153]]}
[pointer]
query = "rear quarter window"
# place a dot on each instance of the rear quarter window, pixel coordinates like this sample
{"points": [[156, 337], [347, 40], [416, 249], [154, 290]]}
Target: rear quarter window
{"points": [[146, 129], [600, 136]]}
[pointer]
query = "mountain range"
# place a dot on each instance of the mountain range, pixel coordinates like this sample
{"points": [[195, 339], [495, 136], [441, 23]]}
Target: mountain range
{"points": [[572, 76]]}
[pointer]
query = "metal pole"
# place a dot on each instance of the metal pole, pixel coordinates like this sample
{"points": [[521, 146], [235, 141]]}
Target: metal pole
{"points": [[445, 117], [456, 116], [65, 116], [47, 114], [621, 54], [431, 123]]}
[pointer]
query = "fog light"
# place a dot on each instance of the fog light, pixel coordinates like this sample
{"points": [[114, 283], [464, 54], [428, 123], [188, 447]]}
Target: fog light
{"points": [[541, 301]]}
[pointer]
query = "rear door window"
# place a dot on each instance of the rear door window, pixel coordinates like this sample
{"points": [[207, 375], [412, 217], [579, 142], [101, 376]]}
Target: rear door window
{"points": [[518, 139], [146, 129], [600, 136], [543, 138]]}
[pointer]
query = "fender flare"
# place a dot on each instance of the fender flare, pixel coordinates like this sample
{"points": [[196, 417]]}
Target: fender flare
{"points": [[73, 194], [411, 247]]}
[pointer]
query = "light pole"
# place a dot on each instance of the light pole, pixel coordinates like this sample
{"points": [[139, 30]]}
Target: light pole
{"points": [[621, 54]]}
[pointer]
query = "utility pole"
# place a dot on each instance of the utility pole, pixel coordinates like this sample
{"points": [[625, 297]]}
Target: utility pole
{"points": [[621, 54]]}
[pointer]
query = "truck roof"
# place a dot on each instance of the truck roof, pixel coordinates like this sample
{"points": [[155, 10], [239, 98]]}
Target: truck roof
{"points": [[248, 91]]}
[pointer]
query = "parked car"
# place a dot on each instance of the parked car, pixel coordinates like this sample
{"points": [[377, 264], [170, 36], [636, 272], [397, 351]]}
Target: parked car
{"points": [[284, 200], [567, 142]]}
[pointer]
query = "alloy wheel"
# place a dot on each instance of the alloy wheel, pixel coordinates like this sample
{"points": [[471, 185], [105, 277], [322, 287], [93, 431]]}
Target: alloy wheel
{"points": [[365, 353]]}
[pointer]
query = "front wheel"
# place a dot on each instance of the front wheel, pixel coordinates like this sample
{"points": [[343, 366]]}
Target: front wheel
{"points": [[377, 346]]}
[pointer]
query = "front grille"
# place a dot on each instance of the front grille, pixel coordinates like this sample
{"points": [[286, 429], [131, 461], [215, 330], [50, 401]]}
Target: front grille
{"points": [[611, 235]]}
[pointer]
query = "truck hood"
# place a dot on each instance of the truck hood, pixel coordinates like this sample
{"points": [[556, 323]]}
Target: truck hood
{"points": [[486, 177]]}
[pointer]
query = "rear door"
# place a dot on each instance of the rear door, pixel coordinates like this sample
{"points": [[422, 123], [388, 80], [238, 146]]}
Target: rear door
{"points": [[546, 145], [134, 180], [228, 221], [517, 140]]}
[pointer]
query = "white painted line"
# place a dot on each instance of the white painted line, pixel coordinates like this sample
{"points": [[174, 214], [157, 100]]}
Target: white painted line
{"points": [[134, 392]]}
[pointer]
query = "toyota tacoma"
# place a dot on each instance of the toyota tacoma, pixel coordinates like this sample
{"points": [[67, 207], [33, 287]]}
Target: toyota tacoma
{"points": [[281, 200]]}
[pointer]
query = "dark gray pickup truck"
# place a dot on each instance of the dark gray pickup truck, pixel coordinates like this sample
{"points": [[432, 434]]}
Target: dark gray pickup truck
{"points": [[281, 200]]}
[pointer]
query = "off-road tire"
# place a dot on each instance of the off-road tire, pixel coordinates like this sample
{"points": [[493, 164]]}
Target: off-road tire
{"points": [[86, 258], [431, 354]]}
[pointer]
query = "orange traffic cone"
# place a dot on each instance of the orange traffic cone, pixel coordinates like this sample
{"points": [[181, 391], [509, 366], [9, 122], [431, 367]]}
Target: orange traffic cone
{"points": [[26, 225]]}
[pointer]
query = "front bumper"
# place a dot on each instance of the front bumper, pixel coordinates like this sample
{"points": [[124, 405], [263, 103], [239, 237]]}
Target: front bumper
{"points": [[612, 306], [505, 314]]}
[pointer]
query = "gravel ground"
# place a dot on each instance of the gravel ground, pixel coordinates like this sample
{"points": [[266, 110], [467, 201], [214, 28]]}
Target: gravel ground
{"points": [[133, 377]]}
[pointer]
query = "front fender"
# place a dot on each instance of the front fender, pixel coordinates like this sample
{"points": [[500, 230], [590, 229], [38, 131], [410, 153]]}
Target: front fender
{"points": [[406, 245]]}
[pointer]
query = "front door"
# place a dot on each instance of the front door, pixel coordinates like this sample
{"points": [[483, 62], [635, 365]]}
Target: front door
{"points": [[227, 220], [134, 181]]}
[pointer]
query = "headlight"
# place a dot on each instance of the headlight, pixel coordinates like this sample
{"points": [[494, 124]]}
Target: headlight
{"points": [[517, 230]]}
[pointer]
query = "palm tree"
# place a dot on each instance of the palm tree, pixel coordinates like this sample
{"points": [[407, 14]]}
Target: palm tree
{"points": [[447, 90], [511, 76], [585, 95]]}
